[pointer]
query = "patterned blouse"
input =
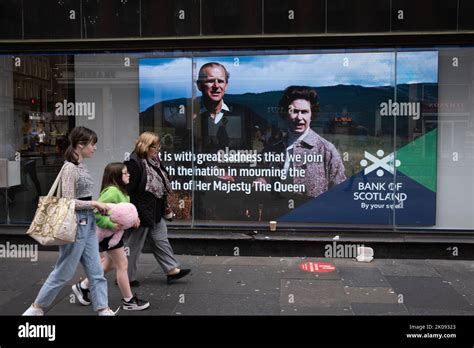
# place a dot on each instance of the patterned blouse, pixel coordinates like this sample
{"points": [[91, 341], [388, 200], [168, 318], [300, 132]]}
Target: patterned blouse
{"points": [[76, 182], [319, 176], [323, 167]]}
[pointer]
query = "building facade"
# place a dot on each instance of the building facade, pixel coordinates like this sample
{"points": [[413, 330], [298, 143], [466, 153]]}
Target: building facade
{"points": [[386, 145]]}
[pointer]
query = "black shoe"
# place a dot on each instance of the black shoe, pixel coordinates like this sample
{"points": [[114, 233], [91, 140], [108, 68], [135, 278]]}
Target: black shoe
{"points": [[81, 294], [135, 304], [182, 273]]}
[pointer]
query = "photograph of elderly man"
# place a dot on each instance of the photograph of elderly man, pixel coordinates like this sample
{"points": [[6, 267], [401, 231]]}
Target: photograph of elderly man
{"points": [[220, 124]]}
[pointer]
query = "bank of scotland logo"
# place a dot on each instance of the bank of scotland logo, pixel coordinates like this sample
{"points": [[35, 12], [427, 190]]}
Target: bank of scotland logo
{"points": [[379, 162]]}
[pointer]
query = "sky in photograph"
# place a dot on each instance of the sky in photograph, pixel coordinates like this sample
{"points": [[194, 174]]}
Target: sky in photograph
{"points": [[171, 78]]}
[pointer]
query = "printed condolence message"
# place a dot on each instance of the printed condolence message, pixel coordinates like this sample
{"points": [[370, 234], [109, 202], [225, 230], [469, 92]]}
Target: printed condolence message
{"points": [[297, 138]]}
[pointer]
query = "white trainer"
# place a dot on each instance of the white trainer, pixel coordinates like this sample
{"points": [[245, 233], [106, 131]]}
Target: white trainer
{"points": [[108, 311], [33, 311]]}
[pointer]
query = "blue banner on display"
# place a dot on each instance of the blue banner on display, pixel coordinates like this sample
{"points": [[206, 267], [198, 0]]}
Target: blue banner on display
{"points": [[369, 199], [322, 137]]}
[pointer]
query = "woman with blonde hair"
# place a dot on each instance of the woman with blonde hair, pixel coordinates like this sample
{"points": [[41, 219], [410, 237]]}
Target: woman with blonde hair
{"points": [[148, 188]]}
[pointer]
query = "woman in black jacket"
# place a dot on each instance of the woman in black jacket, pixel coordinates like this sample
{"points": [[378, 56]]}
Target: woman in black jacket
{"points": [[148, 189]]}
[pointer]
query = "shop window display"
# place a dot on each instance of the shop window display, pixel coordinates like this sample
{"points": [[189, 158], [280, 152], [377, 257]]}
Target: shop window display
{"points": [[389, 129]]}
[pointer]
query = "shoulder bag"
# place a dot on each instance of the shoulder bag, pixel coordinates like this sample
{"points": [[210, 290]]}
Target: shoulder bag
{"points": [[55, 221]]}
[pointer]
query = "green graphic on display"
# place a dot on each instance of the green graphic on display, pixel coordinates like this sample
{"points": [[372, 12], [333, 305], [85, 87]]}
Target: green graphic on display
{"points": [[418, 160]]}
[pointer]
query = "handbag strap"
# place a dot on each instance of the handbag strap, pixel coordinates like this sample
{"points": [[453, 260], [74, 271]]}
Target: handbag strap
{"points": [[56, 187]]}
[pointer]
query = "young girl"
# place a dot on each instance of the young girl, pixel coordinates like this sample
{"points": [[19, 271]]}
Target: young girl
{"points": [[113, 190], [76, 183]]}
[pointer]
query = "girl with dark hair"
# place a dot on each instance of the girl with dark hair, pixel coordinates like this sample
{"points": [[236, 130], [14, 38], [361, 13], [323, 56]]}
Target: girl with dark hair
{"points": [[113, 190], [77, 184]]}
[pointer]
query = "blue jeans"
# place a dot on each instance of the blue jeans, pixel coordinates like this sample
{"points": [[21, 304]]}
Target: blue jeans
{"points": [[86, 250]]}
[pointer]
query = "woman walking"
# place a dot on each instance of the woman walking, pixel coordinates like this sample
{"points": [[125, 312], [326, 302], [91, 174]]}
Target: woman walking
{"points": [[113, 190], [76, 183], [148, 189]]}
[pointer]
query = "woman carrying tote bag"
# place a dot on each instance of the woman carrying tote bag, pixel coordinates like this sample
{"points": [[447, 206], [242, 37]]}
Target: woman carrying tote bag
{"points": [[76, 183]]}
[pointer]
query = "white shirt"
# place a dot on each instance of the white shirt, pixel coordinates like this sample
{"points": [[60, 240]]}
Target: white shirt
{"points": [[219, 115]]}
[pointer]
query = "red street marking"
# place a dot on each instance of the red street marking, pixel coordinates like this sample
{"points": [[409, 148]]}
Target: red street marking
{"points": [[317, 267]]}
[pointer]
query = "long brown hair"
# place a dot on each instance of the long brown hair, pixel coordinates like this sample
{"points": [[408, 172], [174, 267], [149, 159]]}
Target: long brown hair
{"points": [[113, 176], [79, 135]]}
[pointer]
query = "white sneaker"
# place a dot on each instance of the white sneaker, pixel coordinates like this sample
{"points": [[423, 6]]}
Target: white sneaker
{"points": [[108, 311], [33, 311]]}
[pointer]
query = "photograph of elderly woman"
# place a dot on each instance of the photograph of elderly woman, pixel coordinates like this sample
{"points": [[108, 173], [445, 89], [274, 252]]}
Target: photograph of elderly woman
{"points": [[296, 137]]}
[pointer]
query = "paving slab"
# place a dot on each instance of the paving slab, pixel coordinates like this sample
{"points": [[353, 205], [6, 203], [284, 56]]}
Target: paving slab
{"points": [[379, 309], [20, 274], [229, 285], [292, 271], [227, 304], [18, 304], [246, 261], [428, 292], [438, 312], [466, 266], [362, 277], [190, 261], [296, 273], [159, 305], [403, 268], [145, 270], [458, 274], [235, 280], [315, 311], [346, 262], [153, 289], [371, 295], [157, 283], [65, 307], [8, 295], [312, 293]]}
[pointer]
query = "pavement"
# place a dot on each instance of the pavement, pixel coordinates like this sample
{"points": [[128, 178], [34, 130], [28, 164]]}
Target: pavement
{"points": [[264, 286]]}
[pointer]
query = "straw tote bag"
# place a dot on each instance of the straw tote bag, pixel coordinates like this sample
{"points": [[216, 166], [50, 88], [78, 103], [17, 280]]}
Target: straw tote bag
{"points": [[55, 221]]}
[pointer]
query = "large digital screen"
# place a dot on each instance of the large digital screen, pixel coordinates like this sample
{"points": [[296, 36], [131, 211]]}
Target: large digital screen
{"points": [[345, 138]]}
